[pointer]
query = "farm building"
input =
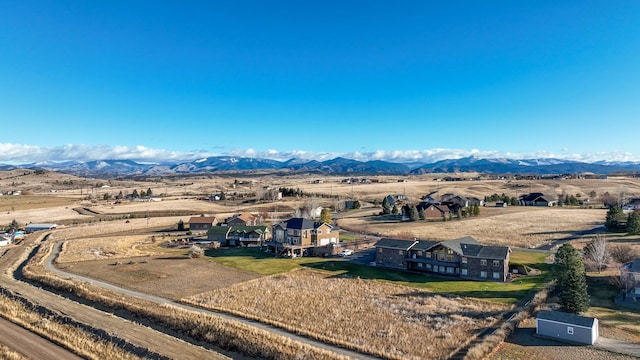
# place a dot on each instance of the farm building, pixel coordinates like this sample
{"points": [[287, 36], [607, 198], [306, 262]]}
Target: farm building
{"points": [[567, 327], [39, 227]]}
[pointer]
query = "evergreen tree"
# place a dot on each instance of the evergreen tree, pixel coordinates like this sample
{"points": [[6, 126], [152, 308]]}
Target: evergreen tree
{"points": [[633, 223], [395, 210], [386, 207], [514, 201], [356, 204], [120, 195], [180, 225], [476, 210], [149, 193], [614, 215], [13, 226], [569, 273], [134, 194], [421, 214], [413, 214]]}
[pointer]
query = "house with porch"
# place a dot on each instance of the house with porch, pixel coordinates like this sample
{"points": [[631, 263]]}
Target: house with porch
{"points": [[463, 258], [297, 236], [239, 235]]}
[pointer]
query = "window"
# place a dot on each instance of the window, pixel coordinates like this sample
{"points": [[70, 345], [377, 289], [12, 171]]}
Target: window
{"points": [[441, 269], [449, 258], [463, 272], [449, 270], [496, 262], [569, 330], [400, 252], [419, 252], [427, 254], [428, 266], [483, 262], [419, 265], [449, 251], [496, 275], [464, 260], [483, 274], [379, 250]]}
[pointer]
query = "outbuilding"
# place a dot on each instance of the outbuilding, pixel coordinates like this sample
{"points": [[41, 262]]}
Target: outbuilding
{"points": [[39, 227], [567, 327]]}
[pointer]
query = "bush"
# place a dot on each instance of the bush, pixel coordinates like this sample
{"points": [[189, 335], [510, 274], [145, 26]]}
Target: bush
{"points": [[196, 251]]}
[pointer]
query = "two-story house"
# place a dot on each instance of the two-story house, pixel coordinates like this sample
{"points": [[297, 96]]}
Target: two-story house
{"points": [[296, 235], [464, 258]]}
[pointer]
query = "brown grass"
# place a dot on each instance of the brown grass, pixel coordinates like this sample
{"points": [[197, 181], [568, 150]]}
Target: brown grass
{"points": [[378, 318], [7, 353], [227, 334], [69, 336], [518, 227]]}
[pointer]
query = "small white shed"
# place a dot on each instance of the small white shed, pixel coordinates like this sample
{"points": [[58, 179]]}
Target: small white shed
{"points": [[567, 327]]}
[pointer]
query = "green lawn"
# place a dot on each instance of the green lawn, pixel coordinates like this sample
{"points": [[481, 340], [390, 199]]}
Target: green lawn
{"points": [[258, 262]]}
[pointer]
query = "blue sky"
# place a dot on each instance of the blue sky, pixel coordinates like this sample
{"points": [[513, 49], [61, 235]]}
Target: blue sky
{"points": [[399, 80]]}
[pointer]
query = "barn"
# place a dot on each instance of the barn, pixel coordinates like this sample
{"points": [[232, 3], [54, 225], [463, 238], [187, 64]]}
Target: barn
{"points": [[567, 327]]}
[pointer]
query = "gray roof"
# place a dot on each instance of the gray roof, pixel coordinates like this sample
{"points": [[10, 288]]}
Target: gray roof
{"points": [[455, 244], [635, 266], [425, 244], [395, 243], [485, 251], [566, 318]]}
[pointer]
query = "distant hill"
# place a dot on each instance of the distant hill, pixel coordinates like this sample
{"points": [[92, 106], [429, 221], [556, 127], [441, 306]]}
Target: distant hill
{"points": [[339, 165]]}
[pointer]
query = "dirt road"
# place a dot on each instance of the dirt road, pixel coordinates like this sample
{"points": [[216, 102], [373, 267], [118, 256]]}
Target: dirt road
{"points": [[56, 250], [31, 345], [142, 337]]}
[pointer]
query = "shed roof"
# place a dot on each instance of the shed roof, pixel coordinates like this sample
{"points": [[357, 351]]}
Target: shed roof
{"points": [[566, 318]]}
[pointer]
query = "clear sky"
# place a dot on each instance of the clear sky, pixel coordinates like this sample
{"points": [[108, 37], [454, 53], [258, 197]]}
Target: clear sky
{"points": [[367, 79]]}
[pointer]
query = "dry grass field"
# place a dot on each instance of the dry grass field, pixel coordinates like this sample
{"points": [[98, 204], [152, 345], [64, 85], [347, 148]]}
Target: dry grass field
{"points": [[172, 277], [379, 318], [517, 226]]}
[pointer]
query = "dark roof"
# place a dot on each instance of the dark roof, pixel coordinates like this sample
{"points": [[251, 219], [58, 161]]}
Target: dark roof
{"points": [[566, 318], [635, 266], [395, 243], [218, 230], [484, 251], [424, 244], [299, 223], [530, 197]]}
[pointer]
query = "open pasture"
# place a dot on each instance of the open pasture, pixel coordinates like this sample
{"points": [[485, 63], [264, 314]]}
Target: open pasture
{"points": [[525, 227], [379, 318]]}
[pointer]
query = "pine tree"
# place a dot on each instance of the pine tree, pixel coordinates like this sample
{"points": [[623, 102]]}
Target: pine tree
{"points": [[571, 281], [614, 215], [421, 213], [633, 223], [413, 214], [180, 225], [386, 207], [149, 193]]}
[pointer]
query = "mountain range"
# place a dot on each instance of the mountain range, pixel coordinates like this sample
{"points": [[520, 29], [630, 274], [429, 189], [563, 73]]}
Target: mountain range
{"points": [[339, 165]]}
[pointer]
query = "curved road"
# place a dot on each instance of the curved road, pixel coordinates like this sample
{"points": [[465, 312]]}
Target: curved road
{"points": [[145, 338], [278, 331]]}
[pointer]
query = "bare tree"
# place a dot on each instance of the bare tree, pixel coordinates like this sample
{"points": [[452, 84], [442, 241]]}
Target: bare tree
{"points": [[597, 251], [624, 253]]}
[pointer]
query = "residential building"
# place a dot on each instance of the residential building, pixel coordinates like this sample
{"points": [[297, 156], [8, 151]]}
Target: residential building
{"points": [[202, 223], [239, 235], [463, 258], [537, 199], [297, 235], [244, 219]]}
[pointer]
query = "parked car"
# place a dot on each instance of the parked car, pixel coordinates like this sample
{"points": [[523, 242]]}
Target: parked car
{"points": [[345, 252]]}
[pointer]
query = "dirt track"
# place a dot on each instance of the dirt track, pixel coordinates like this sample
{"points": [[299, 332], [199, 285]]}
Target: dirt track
{"points": [[136, 334], [31, 345]]}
